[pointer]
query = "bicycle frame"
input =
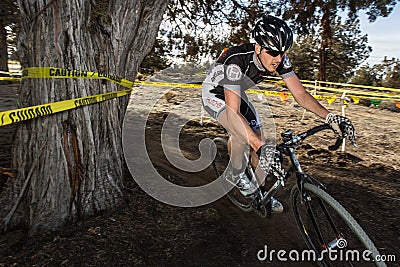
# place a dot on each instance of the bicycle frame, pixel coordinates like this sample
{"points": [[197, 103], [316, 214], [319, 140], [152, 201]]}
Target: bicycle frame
{"points": [[288, 147]]}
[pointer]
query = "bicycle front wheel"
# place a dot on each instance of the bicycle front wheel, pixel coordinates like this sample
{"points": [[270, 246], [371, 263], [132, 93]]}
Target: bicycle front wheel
{"points": [[220, 166], [332, 234]]}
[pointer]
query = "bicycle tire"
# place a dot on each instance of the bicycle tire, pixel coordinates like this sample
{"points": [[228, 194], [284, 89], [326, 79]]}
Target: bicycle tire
{"points": [[355, 242], [220, 166]]}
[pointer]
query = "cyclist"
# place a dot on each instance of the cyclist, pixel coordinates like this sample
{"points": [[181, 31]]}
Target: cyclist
{"points": [[239, 68]]}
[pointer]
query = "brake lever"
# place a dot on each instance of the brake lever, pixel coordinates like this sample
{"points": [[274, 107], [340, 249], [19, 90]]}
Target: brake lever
{"points": [[338, 143], [339, 140]]}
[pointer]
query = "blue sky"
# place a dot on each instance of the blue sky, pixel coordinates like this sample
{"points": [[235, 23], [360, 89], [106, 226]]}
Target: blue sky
{"points": [[383, 36]]}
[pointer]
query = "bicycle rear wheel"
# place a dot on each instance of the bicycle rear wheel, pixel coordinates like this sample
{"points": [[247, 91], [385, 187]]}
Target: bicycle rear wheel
{"points": [[330, 231], [220, 166]]}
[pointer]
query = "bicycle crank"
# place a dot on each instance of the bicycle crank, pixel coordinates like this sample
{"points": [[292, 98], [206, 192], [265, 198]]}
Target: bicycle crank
{"points": [[260, 209]]}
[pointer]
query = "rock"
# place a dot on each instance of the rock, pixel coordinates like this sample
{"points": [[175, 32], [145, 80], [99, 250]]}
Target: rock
{"points": [[168, 95]]}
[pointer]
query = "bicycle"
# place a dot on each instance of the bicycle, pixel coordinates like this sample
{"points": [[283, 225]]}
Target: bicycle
{"points": [[325, 225]]}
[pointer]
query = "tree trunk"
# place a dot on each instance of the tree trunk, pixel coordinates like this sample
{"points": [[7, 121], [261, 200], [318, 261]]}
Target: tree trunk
{"points": [[322, 62], [3, 49], [326, 39], [70, 164]]}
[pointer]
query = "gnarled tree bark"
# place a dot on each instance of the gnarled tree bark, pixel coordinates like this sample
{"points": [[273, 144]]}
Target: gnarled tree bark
{"points": [[70, 164], [3, 49]]}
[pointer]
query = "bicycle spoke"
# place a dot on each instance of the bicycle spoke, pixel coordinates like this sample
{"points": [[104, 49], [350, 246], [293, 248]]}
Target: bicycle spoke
{"points": [[314, 222], [328, 217]]}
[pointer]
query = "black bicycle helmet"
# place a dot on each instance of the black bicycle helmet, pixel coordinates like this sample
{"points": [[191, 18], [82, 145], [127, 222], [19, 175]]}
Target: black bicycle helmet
{"points": [[273, 34]]}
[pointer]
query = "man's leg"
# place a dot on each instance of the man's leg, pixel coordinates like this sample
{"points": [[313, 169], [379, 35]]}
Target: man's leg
{"points": [[236, 148], [260, 174], [237, 144]]}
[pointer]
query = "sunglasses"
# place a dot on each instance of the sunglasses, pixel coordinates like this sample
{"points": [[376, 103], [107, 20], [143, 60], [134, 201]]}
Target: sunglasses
{"points": [[275, 53]]}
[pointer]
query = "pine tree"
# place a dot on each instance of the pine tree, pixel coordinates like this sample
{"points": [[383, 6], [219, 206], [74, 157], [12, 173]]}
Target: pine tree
{"points": [[346, 52], [319, 16], [390, 73], [365, 75]]}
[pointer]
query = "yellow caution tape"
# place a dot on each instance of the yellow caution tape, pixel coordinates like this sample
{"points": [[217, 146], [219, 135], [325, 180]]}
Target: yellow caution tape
{"points": [[363, 94], [284, 95], [23, 114], [9, 73], [316, 83], [350, 93], [57, 73], [49, 72], [17, 115], [393, 99], [181, 85], [354, 92], [265, 92], [9, 79], [13, 76], [356, 85]]}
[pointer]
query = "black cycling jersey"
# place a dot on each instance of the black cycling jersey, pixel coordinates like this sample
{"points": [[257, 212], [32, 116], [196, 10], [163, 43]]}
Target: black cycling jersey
{"points": [[242, 70], [237, 68]]}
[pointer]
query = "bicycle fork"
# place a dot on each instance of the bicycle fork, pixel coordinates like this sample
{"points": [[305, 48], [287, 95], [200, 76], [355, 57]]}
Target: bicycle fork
{"points": [[305, 199]]}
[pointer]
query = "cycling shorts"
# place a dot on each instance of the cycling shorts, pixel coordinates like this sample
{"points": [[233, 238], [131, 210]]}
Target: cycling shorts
{"points": [[213, 100]]}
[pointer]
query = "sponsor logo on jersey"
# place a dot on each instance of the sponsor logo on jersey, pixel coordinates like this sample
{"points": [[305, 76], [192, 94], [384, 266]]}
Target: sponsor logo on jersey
{"points": [[286, 62], [233, 72]]}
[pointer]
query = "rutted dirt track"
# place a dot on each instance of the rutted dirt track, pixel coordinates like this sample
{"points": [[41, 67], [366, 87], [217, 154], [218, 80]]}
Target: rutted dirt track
{"points": [[145, 232]]}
